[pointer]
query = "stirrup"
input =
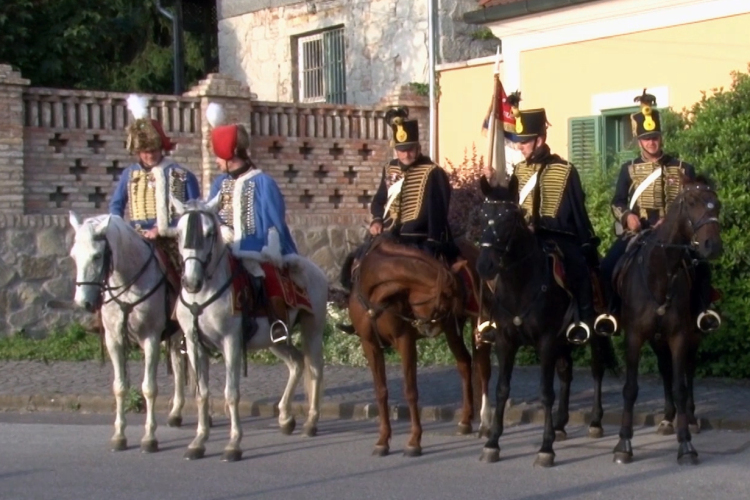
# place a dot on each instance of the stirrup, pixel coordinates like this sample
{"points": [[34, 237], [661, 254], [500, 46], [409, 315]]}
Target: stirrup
{"points": [[707, 314], [606, 325], [280, 338], [486, 332], [572, 327]]}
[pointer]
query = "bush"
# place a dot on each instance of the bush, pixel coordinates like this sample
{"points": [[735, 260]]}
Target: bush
{"points": [[466, 199], [714, 136]]}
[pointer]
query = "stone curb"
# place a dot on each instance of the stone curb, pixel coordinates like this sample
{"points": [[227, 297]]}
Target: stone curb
{"points": [[515, 414]]}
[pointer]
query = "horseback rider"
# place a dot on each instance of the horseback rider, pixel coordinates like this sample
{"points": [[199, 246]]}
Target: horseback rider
{"points": [[253, 212], [549, 189], [646, 187], [145, 187], [413, 198]]}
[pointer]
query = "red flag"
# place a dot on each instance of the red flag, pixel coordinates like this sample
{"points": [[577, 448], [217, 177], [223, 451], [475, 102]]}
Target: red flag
{"points": [[503, 112]]}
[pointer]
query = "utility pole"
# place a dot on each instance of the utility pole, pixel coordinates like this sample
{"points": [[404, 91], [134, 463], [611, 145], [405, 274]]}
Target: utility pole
{"points": [[178, 57]]}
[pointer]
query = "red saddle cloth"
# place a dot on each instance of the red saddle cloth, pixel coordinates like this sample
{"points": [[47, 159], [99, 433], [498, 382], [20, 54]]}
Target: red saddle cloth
{"points": [[168, 263], [278, 283], [471, 304]]}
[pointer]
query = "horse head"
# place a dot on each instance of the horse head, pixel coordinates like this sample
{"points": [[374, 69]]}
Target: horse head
{"points": [[93, 257], [502, 222], [696, 213], [198, 234]]}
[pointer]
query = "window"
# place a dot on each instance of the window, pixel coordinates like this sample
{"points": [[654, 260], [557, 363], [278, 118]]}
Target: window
{"points": [[321, 67], [604, 141]]}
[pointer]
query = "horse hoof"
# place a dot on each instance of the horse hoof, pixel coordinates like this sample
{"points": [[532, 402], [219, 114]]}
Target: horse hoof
{"points": [[380, 451], [561, 435], [175, 421], [484, 432], [544, 459], [194, 453], [233, 455], [688, 459], [694, 428], [596, 432], [665, 428], [151, 446], [490, 455], [119, 444], [622, 457], [310, 430], [464, 429], [413, 451], [288, 428]]}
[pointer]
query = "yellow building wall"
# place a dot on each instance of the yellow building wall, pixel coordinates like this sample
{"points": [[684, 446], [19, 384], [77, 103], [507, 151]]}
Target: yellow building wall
{"points": [[465, 96], [687, 59]]}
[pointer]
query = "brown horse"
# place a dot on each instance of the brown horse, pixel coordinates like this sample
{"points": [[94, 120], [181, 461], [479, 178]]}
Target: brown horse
{"points": [[400, 294], [656, 308]]}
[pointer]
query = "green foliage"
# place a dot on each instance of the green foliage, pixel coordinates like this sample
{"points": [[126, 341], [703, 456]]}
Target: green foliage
{"points": [[421, 89], [483, 33], [71, 344], [714, 135], [134, 401], [118, 45]]}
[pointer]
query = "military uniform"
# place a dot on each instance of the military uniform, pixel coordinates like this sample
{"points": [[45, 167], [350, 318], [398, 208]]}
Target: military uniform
{"points": [[412, 201], [549, 189], [645, 189], [252, 211]]}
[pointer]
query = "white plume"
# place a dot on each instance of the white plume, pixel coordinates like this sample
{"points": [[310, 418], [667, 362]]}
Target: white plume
{"points": [[138, 105], [215, 114]]}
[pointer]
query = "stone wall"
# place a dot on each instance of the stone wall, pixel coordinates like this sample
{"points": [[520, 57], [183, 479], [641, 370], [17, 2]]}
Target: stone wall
{"points": [[37, 275], [386, 42], [63, 150]]}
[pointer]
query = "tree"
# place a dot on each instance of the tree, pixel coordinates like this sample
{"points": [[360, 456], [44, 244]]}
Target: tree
{"points": [[119, 45]]}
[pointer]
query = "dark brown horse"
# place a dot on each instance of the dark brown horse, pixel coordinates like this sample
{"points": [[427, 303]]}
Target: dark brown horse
{"points": [[529, 308], [400, 294], [656, 308]]}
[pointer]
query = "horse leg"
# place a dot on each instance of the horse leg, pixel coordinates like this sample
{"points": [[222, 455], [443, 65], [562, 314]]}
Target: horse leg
{"points": [[564, 368], [116, 351], [546, 455], [463, 363], [178, 367], [686, 453], [376, 360], [150, 346], [624, 449], [199, 362], [293, 359], [312, 347], [407, 348], [506, 356], [596, 430], [664, 360], [484, 366], [233, 361], [690, 366]]}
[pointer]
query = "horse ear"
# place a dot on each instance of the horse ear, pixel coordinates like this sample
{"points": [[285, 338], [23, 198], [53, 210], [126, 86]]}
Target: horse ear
{"points": [[179, 207], [101, 226], [213, 204], [75, 220], [496, 193]]}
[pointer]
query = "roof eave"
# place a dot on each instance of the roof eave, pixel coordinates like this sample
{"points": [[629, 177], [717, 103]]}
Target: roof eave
{"points": [[517, 9]]}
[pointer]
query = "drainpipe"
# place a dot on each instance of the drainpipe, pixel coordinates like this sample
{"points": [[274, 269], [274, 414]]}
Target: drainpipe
{"points": [[178, 57], [432, 11]]}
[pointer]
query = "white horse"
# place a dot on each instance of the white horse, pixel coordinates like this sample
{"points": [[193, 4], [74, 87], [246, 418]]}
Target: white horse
{"points": [[117, 270], [204, 311]]}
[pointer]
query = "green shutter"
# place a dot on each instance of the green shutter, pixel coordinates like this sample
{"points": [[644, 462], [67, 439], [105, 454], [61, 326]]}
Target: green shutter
{"points": [[334, 49], [584, 142]]}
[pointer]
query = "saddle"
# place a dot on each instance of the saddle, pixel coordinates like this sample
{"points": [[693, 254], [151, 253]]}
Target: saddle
{"points": [[557, 267], [168, 255]]}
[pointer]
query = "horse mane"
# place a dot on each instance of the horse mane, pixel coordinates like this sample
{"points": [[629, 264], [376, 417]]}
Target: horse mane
{"points": [[389, 244]]}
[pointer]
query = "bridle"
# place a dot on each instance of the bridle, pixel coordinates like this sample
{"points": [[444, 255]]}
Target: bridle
{"points": [[502, 251], [195, 239]]}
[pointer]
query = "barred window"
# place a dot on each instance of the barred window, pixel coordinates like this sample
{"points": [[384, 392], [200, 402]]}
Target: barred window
{"points": [[321, 67]]}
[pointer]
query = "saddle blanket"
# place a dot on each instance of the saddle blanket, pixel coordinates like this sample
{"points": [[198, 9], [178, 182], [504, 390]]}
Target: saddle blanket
{"points": [[277, 283], [168, 256], [471, 304]]}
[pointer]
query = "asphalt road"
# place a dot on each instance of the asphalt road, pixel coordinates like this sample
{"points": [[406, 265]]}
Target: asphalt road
{"points": [[65, 456]]}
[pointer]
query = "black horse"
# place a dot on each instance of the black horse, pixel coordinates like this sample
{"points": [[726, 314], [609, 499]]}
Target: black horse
{"points": [[655, 281], [529, 308]]}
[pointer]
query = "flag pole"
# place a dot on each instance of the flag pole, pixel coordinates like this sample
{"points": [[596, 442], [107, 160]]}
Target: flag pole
{"points": [[497, 137]]}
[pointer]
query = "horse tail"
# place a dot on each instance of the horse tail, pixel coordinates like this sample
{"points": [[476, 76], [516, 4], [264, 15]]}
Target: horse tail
{"points": [[346, 271], [603, 349]]}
